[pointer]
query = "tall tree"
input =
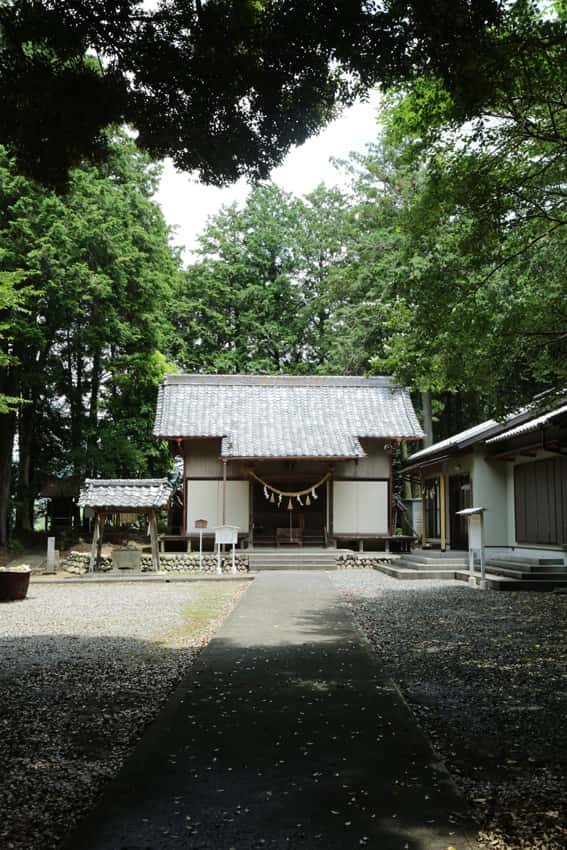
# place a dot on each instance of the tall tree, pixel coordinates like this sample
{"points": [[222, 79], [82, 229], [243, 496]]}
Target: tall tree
{"points": [[85, 359], [224, 86], [258, 297]]}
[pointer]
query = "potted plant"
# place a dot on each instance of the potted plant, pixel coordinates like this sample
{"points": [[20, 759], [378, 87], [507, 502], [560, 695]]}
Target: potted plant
{"points": [[14, 582]]}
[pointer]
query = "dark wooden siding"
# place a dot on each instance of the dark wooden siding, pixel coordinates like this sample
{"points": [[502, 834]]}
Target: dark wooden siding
{"points": [[540, 491]]}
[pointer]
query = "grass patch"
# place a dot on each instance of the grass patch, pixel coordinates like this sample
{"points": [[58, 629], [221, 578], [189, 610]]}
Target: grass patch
{"points": [[208, 606]]}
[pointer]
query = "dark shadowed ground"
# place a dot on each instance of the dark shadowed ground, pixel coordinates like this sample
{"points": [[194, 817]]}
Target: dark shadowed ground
{"points": [[486, 674]]}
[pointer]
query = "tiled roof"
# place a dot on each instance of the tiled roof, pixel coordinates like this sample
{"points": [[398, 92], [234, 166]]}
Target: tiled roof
{"points": [[125, 493], [532, 425], [284, 416], [522, 421], [457, 441]]}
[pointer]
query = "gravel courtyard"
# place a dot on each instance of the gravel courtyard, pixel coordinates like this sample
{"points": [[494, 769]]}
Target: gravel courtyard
{"points": [[486, 675], [83, 670]]}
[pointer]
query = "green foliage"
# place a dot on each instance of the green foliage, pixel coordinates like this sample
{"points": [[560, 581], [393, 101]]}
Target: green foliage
{"points": [[257, 299], [81, 347], [11, 299], [223, 87], [459, 259]]}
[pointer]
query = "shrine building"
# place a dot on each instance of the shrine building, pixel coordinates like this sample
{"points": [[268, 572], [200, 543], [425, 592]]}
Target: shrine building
{"points": [[287, 459]]}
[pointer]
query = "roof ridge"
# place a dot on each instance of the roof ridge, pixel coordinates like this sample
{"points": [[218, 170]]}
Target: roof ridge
{"points": [[126, 482], [282, 380]]}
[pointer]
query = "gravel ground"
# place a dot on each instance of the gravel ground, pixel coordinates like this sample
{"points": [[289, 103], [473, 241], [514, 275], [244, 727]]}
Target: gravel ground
{"points": [[83, 670], [486, 675]]}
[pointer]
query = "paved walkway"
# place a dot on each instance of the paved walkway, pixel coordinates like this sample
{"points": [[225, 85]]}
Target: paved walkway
{"points": [[286, 734]]}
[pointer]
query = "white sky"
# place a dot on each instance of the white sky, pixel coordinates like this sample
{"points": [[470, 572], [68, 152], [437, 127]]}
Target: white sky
{"points": [[187, 204]]}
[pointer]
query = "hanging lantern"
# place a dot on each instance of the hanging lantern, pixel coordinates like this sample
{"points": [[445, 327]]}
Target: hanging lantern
{"points": [[272, 498], [308, 500], [289, 506]]}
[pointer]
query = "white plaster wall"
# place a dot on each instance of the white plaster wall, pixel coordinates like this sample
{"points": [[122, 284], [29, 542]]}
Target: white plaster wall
{"points": [[376, 464], [490, 490], [202, 459], [204, 501], [360, 507]]}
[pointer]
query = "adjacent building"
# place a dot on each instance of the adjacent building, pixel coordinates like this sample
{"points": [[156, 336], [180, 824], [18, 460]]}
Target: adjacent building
{"points": [[516, 470]]}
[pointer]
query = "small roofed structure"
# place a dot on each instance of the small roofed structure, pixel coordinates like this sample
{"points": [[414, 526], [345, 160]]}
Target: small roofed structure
{"points": [[125, 495]]}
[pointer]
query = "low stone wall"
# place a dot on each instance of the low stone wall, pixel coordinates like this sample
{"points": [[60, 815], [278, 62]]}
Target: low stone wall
{"points": [[188, 562], [362, 561], [78, 562]]}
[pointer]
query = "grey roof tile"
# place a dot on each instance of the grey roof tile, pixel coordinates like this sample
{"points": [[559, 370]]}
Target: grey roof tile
{"points": [[125, 493], [284, 416]]}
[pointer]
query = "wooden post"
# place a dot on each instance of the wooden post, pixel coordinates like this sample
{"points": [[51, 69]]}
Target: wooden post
{"points": [[251, 514], [442, 512], [184, 492], [423, 513], [224, 480], [154, 541], [94, 543]]}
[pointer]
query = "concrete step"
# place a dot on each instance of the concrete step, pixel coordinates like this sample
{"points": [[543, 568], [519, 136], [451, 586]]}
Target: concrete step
{"points": [[455, 564], [294, 560], [524, 569], [546, 560], [292, 566], [499, 582], [412, 574], [526, 576], [434, 561]]}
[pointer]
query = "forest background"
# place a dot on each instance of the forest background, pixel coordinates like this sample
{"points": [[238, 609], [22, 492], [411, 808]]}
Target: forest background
{"points": [[443, 264]]}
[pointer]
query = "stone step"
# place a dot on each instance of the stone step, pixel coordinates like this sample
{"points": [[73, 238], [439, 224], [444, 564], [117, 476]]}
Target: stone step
{"points": [[434, 561], [455, 564], [499, 582], [412, 574], [510, 557], [527, 569], [287, 565], [526, 576], [493, 581]]}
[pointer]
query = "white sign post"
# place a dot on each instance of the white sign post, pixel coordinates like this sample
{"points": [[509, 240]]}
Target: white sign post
{"points": [[476, 543], [226, 534], [201, 524]]}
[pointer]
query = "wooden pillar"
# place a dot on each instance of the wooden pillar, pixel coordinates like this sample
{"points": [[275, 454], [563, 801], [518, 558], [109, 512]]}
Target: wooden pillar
{"points": [[423, 513], [154, 540], [330, 513], [184, 515], [94, 546], [442, 512], [224, 484], [251, 514]]}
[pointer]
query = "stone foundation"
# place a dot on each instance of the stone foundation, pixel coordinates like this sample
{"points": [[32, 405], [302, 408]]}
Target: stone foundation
{"points": [[364, 561], [78, 563], [175, 562], [188, 562]]}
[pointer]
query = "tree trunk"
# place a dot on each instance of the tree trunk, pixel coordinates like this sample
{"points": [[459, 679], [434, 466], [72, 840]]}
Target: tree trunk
{"points": [[7, 432], [427, 419], [24, 495]]}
